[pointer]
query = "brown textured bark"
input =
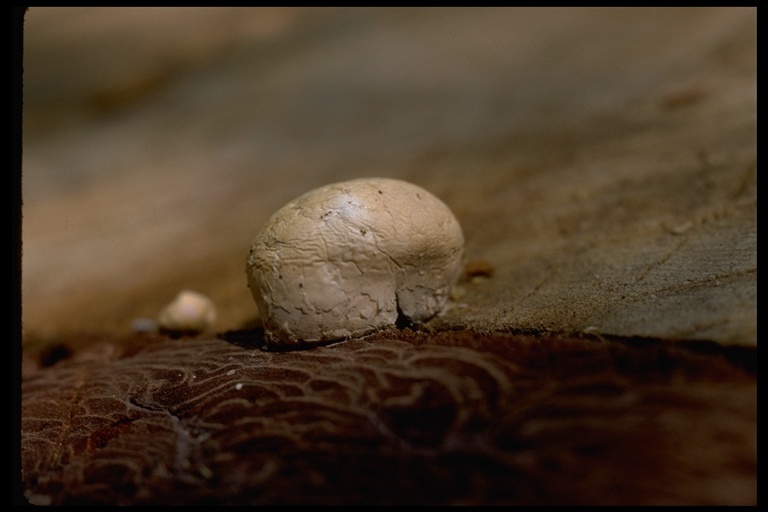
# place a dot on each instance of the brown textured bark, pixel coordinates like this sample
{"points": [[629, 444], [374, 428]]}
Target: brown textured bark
{"points": [[397, 418]]}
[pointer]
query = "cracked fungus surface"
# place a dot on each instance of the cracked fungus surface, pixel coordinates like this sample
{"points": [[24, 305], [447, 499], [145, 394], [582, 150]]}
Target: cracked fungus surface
{"points": [[398, 418], [352, 257]]}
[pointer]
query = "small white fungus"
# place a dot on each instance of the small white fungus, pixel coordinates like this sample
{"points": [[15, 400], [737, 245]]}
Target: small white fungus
{"points": [[189, 312]]}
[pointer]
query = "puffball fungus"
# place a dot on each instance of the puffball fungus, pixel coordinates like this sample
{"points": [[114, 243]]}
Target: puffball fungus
{"points": [[349, 258], [189, 312]]}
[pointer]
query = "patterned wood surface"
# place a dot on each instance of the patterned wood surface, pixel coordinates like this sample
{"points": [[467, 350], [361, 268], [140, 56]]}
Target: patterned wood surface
{"points": [[398, 418]]}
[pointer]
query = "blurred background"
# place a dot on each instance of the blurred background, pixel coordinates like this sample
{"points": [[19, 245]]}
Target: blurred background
{"points": [[602, 160]]}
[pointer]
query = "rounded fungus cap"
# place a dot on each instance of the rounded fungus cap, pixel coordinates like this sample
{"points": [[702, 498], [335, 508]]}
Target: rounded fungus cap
{"points": [[349, 258], [189, 312]]}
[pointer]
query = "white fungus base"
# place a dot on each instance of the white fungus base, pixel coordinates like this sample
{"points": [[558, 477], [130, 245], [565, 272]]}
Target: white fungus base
{"points": [[350, 258]]}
